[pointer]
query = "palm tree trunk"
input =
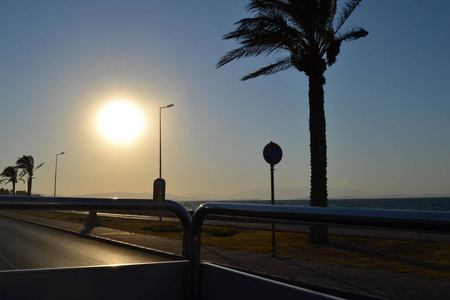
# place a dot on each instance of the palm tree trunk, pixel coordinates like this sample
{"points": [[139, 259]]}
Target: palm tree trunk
{"points": [[317, 128], [14, 188], [30, 182]]}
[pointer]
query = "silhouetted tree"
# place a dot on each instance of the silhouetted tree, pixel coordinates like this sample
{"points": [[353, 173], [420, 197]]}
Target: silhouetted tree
{"points": [[8, 175], [4, 192], [309, 35], [26, 163]]}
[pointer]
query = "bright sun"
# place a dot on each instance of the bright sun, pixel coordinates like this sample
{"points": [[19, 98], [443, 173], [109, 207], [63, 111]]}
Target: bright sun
{"points": [[120, 121]]}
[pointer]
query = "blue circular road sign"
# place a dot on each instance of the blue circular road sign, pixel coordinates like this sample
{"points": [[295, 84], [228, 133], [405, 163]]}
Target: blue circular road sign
{"points": [[272, 153]]}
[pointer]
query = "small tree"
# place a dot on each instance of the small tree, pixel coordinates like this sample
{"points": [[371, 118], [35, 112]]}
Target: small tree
{"points": [[8, 175], [26, 163]]}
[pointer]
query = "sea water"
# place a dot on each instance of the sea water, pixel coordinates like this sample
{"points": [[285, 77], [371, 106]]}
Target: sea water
{"points": [[435, 204]]}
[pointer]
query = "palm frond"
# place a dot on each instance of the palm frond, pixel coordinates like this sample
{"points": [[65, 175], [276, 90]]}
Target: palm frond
{"points": [[38, 167], [349, 7], [262, 35], [25, 162], [5, 180], [267, 29], [244, 51], [302, 28], [259, 6], [9, 172], [289, 9], [280, 65], [295, 16], [333, 51], [353, 34], [334, 47], [22, 174], [326, 13]]}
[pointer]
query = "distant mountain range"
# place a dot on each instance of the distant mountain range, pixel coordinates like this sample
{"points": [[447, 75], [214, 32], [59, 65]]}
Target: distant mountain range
{"points": [[281, 193]]}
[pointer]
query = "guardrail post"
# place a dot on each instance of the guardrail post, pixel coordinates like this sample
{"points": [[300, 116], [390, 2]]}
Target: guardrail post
{"points": [[92, 220]]}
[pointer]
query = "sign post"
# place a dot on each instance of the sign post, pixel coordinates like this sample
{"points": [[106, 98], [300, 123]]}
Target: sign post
{"points": [[272, 155]]}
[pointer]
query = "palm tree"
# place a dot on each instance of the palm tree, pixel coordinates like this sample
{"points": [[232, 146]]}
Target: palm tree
{"points": [[309, 35], [8, 175], [26, 163]]}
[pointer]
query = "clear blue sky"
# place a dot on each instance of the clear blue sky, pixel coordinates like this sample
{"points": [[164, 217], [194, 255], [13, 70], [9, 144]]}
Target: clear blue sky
{"points": [[387, 99]]}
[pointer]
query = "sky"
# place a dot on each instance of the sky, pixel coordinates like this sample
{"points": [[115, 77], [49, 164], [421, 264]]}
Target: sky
{"points": [[61, 62]]}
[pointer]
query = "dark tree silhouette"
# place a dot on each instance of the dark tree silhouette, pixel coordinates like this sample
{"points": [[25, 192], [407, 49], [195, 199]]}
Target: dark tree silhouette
{"points": [[309, 35], [10, 174], [26, 163], [4, 192]]}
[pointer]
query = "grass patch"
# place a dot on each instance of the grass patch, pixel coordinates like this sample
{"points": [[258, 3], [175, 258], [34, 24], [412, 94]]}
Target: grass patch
{"points": [[162, 228], [406, 256], [219, 231]]}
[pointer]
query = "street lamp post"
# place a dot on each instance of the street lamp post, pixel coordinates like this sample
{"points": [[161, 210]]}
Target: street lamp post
{"points": [[56, 169], [159, 185], [160, 152]]}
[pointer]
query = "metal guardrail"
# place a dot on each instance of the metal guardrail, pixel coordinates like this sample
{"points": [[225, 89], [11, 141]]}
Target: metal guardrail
{"points": [[416, 220], [430, 221], [100, 204]]}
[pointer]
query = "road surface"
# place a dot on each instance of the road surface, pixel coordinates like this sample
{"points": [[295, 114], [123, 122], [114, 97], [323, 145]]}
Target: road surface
{"points": [[27, 246]]}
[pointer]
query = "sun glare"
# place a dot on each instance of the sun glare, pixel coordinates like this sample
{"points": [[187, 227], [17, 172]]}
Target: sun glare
{"points": [[120, 121]]}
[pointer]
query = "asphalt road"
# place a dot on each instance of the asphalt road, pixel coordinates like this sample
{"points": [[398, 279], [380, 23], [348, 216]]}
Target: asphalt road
{"points": [[27, 246]]}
